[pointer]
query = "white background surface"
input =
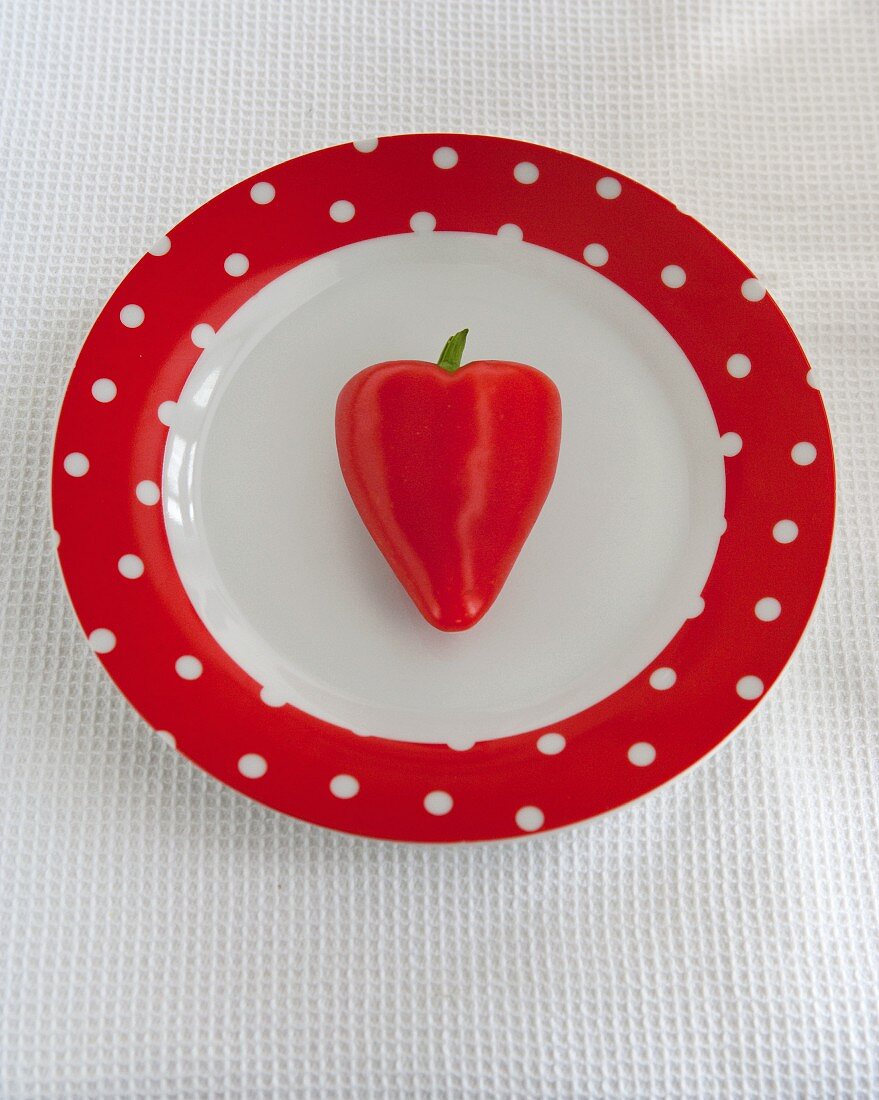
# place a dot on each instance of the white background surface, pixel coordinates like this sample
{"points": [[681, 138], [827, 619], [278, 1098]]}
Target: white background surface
{"points": [[162, 937]]}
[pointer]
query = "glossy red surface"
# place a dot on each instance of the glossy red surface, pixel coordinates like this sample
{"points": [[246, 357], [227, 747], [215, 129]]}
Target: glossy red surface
{"points": [[449, 472]]}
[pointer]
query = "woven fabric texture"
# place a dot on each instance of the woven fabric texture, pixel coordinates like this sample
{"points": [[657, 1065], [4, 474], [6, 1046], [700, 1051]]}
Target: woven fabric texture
{"points": [[160, 936]]}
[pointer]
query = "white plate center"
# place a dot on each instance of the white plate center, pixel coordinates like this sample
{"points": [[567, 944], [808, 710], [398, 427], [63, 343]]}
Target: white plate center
{"points": [[281, 570]]}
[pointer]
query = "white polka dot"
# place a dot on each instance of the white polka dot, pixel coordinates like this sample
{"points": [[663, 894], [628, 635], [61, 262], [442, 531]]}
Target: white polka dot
{"points": [[804, 454], [252, 765], [753, 290], [608, 187], [147, 492], [344, 786], [366, 145], [102, 640], [460, 742], [724, 525], [696, 609], [262, 193], [131, 316], [188, 667], [510, 232], [76, 464], [202, 335], [272, 697], [673, 276], [550, 744], [526, 172], [438, 803], [785, 531], [749, 687], [445, 157], [812, 379], [104, 390], [738, 365], [768, 609], [663, 678], [641, 754], [730, 444], [236, 264], [422, 222], [162, 245], [168, 738], [342, 210], [130, 566], [56, 539], [166, 412], [529, 819], [595, 255]]}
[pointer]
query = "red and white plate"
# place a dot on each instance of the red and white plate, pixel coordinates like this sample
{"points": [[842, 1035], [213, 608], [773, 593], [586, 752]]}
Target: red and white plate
{"points": [[227, 585]]}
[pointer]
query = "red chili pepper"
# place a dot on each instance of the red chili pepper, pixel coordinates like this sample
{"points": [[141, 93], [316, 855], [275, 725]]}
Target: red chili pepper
{"points": [[449, 466]]}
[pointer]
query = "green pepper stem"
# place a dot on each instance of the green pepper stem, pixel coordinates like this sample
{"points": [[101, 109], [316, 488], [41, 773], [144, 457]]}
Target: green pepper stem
{"points": [[450, 359]]}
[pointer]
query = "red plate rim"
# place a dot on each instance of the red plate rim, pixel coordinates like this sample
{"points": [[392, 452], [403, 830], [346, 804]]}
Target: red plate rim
{"points": [[121, 579]]}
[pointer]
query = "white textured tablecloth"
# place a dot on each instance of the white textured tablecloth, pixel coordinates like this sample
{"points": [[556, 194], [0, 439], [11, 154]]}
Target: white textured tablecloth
{"points": [[162, 937]]}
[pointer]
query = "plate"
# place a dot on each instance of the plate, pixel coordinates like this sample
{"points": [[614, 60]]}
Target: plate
{"points": [[228, 587]]}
